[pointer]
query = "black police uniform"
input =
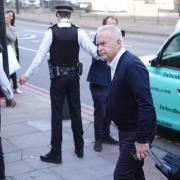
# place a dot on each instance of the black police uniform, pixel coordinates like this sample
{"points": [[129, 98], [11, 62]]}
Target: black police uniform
{"points": [[63, 41], [64, 52]]}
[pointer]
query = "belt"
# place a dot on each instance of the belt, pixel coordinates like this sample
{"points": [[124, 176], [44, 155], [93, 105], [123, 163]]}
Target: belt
{"points": [[56, 71], [63, 70]]}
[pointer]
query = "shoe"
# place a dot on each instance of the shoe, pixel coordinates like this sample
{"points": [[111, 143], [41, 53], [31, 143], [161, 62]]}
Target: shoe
{"points": [[79, 153], [97, 146], [109, 140], [51, 157], [17, 91]]}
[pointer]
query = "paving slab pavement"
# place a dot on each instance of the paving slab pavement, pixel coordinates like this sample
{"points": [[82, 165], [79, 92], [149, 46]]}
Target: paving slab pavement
{"points": [[26, 135]]}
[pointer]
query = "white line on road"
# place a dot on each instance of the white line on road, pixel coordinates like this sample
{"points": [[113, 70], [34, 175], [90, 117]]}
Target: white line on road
{"points": [[27, 49], [27, 37], [37, 32]]}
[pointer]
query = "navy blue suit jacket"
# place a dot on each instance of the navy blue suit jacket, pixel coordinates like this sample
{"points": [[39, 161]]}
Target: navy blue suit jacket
{"points": [[98, 72], [130, 103]]}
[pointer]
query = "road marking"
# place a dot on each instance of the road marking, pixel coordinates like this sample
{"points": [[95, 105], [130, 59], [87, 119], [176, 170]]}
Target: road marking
{"points": [[43, 92], [27, 37], [37, 32], [27, 49]]}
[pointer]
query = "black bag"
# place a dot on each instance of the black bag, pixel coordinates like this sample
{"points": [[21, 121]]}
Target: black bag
{"points": [[169, 165]]}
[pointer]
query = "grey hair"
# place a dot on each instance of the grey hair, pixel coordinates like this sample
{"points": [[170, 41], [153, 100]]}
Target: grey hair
{"points": [[114, 30]]}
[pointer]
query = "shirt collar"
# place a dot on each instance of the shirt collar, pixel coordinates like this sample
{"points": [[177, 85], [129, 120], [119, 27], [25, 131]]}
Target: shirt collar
{"points": [[64, 23], [64, 20], [114, 62]]}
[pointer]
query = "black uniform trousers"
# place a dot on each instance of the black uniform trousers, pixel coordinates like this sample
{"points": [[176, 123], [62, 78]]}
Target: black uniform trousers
{"points": [[2, 166], [101, 120], [61, 87], [127, 168]]}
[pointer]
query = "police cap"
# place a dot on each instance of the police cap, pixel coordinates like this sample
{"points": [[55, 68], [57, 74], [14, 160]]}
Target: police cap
{"points": [[64, 7]]}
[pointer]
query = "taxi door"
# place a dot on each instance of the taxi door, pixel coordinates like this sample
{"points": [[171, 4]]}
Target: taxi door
{"points": [[165, 84]]}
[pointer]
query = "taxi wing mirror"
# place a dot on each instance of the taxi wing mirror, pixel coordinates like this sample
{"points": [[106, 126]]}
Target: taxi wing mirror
{"points": [[123, 33], [154, 62]]}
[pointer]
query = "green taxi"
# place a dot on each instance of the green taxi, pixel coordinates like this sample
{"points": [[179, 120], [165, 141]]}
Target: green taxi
{"points": [[164, 72]]}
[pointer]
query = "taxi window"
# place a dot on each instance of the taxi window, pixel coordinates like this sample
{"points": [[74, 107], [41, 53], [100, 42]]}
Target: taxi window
{"points": [[171, 55]]}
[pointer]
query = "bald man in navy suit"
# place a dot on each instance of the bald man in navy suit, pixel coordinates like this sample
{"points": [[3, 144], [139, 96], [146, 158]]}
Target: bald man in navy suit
{"points": [[130, 103]]}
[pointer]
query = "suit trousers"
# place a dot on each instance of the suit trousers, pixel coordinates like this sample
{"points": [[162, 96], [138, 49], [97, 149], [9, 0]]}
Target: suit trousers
{"points": [[101, 120], [127, 168], [2, 166], [61, 87]]}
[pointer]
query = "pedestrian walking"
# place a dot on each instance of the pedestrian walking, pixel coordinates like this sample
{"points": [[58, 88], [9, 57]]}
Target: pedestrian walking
{"points": [[63, 40], [97, 77], [130, 103], [6, 88], [13, 76]]}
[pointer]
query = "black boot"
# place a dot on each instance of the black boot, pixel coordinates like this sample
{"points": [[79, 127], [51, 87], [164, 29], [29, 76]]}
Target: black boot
{"points": [[97, 145], [79, 152], [52, 157]]}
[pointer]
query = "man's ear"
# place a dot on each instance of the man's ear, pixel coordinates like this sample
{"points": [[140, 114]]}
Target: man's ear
{"points": [[57, 14], [119, 41]]}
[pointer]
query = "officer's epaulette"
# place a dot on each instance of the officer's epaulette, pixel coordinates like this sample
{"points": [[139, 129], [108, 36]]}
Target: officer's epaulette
{"points": [[52, 25], [75, 25]]}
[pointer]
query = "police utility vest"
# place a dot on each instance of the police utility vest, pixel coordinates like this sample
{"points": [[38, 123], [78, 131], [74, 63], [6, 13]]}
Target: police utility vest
{"points": [[64, 50]]}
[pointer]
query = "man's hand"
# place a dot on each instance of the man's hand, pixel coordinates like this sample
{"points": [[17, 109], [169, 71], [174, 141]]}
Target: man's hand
{"points": [[23, 79], [13, 102], [142, 150]]}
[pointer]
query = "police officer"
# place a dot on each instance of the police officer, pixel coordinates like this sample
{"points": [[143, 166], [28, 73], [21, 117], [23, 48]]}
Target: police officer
{"points": [[6, 88], [63, 40]]}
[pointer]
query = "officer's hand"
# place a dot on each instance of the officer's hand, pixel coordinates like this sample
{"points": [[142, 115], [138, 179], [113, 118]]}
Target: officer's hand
{"points": [[142, 150], [23, 79], [13, 102]]}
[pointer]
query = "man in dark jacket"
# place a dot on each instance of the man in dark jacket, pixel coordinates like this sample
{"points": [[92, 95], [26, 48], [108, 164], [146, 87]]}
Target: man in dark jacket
{"points": [[130, 103], [97, 77]]}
